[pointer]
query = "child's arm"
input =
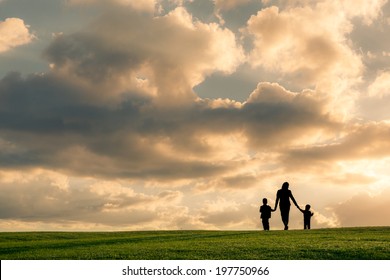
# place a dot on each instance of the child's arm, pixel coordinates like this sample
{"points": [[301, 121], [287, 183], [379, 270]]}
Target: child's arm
{"points": [[293, 199]]}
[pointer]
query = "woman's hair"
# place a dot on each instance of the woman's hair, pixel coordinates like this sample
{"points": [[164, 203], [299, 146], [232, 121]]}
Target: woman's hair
{"points": [[285, 185]]}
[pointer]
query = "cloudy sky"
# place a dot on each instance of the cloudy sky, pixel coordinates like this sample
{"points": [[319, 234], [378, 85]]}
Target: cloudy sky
{"points": [[184, 114]]}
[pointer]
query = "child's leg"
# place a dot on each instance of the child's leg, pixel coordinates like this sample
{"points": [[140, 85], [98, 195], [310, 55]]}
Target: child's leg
{"points": [[264, 221], [307, 223]]}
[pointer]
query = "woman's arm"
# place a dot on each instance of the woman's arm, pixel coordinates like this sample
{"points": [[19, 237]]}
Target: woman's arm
{"points": [[277, 201], [293, 199]]}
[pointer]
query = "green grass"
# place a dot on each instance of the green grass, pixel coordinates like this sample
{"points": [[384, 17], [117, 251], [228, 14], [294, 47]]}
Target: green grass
{"points": [[329, 244]]}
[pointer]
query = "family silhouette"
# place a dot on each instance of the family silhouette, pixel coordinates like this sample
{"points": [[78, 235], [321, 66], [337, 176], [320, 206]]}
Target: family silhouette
{"points": [[283, 197]]}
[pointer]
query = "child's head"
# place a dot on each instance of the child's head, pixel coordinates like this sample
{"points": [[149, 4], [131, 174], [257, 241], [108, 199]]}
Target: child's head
{"points": [[307, 207], [265, 201]]}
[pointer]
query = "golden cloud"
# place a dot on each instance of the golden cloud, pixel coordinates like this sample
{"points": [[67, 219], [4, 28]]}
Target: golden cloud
{"points": [[14, 32]]}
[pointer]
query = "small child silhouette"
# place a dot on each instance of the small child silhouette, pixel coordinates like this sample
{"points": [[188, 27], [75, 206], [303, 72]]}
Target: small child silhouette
{"points": [[265, 211], [306, 216]]}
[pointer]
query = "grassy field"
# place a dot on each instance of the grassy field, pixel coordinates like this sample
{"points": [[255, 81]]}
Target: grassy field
{"points": [[329, 244]]}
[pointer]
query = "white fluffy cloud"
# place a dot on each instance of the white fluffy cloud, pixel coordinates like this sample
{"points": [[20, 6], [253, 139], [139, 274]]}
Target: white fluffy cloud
{"points": [[126, 51], [14, 32], [381, 86], [367, 10], [307, 44]]}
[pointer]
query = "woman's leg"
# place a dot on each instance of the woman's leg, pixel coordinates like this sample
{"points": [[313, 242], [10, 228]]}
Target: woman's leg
{"points": [[285, 212]]}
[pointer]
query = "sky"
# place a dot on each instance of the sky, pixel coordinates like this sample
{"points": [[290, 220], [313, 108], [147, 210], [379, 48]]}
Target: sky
{"points": [[185, 114]]}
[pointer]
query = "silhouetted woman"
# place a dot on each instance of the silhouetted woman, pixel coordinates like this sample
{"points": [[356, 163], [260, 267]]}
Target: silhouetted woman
{"points": [[284, 195]]}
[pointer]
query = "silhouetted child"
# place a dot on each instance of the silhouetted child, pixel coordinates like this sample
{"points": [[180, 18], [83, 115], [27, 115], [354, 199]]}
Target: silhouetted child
{"points": [[306, 216], [265, 211]]}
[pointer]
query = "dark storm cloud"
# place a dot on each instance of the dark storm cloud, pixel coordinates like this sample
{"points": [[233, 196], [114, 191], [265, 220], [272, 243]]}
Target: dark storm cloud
{"points": [[38, 102], [92, 57], [50, 123], [47, 123]]}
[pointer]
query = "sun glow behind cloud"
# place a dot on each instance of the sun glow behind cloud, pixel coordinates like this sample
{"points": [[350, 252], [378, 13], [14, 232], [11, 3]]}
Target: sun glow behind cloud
{"points": [[114, 136]]}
